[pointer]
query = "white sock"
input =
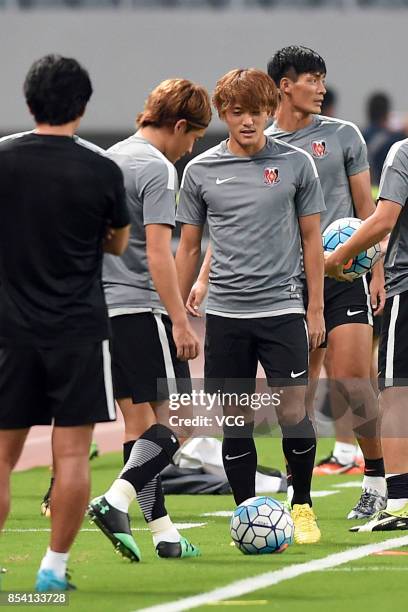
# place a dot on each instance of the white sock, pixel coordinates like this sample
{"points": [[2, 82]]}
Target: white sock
{"points": [[55, 561], [377, 483], [393, 505], [344, 452], [121, 494], [163, 530], [289, 494], [358, 456]]}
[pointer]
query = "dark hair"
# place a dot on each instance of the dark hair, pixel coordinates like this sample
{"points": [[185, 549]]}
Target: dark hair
{"points": [[57, 89], [378, 107], [293, 61]]}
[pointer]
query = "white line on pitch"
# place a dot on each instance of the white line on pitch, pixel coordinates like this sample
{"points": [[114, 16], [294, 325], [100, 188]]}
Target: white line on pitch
{"points": [[351, 484], [254, 583], [47, 529]]}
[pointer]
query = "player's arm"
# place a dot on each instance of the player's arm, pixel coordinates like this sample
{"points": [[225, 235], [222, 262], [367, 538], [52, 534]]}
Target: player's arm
{"points": [[164, 274], [360, 187], [313, 262], [188, 257], [200, 287], [373, 230], [116, 240]]}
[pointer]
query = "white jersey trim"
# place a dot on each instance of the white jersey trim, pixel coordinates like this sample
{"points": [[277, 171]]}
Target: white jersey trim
{"points": [[389, 160], [343, 123], [292, 147], [197, 159], [256, 315], [16, 135], [389, 360], [118, 312], [171, 179], [90, 145]]}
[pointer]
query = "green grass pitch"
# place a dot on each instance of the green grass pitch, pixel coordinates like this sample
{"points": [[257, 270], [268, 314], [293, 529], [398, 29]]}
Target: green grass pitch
{"points": [[107, 583]]}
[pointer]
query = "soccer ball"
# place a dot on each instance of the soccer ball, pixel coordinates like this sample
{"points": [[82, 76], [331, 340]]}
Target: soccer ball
{"points": [[261, 525], [337, 233]]}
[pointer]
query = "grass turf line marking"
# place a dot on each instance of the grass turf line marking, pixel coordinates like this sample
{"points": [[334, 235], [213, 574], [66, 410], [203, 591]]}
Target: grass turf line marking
{"points": [[48, 529], [228, 513], [262, 581], [351, 484]]}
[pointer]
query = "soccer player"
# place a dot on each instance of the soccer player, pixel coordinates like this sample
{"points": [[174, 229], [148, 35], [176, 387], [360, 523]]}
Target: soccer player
{"points": [[262, 199], [152, 338], [390, 216], [340, 154], [62, 204]]}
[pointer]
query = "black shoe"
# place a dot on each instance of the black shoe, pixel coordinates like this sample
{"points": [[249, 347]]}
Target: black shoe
{"points": [[115, 524], [177, 550]]}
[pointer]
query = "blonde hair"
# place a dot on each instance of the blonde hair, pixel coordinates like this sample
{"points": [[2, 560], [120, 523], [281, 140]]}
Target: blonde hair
{"points": [[250, 88], [175, 99]]}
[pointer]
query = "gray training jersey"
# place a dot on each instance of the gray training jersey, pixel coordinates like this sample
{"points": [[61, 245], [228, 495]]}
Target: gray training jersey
{"points": [[394, 187], [252, 205], [339, 150], [151, 186]]}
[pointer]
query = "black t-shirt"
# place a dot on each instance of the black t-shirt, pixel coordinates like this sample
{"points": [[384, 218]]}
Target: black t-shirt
{"points": [[57, 198]]}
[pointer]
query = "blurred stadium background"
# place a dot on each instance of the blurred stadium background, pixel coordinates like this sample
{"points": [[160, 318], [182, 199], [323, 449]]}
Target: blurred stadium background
{"points": [[130, 45]]}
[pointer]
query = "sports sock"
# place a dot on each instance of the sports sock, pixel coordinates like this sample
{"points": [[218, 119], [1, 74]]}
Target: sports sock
{"points": [[344, 452], [358, 454], [397, 485], [240, 460], [150, 454], [55, 561], [121, 494], [151, 497], [163, 530], [374, 476], [127, 448], [299, 448], [289, 480]]}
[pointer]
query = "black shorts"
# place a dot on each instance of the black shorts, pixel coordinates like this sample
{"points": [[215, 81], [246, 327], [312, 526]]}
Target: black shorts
{"points": [[344, 303], [72, 385], [233, 348], [144, 359], [393, 348]]}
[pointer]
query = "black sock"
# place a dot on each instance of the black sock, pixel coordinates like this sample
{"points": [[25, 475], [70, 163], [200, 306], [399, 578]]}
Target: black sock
{"points": [[149, 456], [151, 500], [374, 467], [240, 460], [151, 497], [397, 486], [127, 447], [299, 448]]}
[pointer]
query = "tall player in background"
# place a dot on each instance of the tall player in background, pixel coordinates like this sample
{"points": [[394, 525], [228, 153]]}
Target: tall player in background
{"points": [[152, 338], [262, 200], [391, 215], [54, 329], [340, 153]]}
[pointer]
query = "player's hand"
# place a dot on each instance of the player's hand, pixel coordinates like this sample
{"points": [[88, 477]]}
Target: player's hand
{"points": [[333, 269], [316, 327], [377, 289], [186, 341], [196, 297]]}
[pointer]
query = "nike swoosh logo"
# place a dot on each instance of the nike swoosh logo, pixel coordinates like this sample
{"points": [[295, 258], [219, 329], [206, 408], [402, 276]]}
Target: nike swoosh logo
{"points": [[228, 458], [221, 181], [293, 375], [295, 452], [351, 313]]}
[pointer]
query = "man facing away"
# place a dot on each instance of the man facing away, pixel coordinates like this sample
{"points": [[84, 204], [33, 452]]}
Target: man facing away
{"points": [[152, 338], [62, 205], [262, 201]]}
